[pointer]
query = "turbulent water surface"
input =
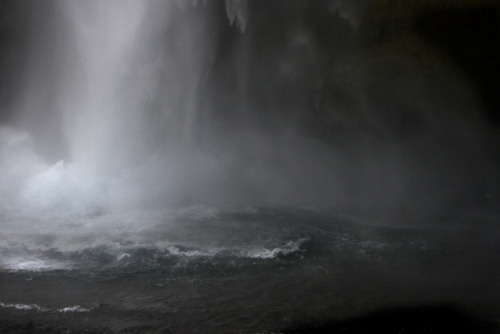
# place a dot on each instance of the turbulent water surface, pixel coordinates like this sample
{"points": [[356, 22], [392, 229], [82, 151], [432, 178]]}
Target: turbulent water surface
{"points": [[252, 271]]}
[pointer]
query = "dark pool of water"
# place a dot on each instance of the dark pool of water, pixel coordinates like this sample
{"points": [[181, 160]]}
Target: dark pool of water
{"points": [[258, 271]]}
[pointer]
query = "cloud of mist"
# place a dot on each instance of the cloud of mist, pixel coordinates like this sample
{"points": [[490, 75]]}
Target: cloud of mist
{"points": [[142, 104]]}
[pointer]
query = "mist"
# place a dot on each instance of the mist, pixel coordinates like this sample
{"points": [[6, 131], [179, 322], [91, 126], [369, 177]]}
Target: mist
{"points": [[123, 106]]}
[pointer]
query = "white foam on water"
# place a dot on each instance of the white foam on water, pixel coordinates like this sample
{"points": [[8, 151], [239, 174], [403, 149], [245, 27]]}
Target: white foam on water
{"points": [[289, 247], [20, 263], [192, 253], [24, 307], [122, 257], [76, 308], [38, 308]]}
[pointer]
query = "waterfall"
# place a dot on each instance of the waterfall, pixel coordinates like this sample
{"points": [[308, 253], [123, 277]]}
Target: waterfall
{"points": [[127, 96]]}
